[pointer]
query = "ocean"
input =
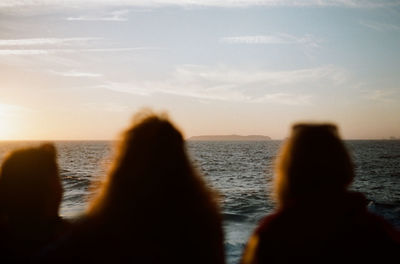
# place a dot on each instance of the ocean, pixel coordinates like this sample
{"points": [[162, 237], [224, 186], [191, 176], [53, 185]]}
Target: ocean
{"points": [[241, 172]]}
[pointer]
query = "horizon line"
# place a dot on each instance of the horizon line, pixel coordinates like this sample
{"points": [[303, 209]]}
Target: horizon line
{"points": [[186, 139]]}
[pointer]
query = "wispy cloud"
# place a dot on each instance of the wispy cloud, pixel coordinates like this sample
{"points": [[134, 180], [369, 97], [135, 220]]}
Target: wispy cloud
{"points": [[201, 92], [44, 41], [203, 3], [385, 96], [60, 46], [43, 46], [281, 38], [286, 99], [6, 52], [126, 88], [379, 26], [227, 84], [117, 16], [77, 74], [224, 74]]}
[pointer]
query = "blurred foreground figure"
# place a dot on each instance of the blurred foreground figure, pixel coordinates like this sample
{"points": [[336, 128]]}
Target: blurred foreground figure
{"points": [[30, 197], [153, 208], [318, 219]]}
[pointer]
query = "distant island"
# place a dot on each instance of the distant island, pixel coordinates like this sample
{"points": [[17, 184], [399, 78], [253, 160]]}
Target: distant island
{"points": [[229, 138]]}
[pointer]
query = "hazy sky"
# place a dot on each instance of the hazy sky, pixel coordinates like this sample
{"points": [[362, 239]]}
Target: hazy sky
{"points": [[80, 69]]}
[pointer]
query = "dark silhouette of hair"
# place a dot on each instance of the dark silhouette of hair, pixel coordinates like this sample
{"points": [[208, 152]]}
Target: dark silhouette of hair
{"points": [[30, 186], [153, 207], [30, 197], [318, 219], [313, 164]]}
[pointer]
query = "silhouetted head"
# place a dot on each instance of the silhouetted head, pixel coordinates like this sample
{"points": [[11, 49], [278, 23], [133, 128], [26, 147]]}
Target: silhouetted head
{"points": [[314, 164], [151, 170], [155, 198], [30, 186]]}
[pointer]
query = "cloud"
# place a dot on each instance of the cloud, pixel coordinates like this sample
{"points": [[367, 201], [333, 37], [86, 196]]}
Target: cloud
{"points": [[281, 38], [378, 26], [201, 3], [108, 107], [118, 16], [224, 83], [6, 52], [125, 88], [76, 74], [385, 96], [44, 41], [22, 52], [223, 74], [286, 99], [234, 85], [55, 46], [42, 46]]}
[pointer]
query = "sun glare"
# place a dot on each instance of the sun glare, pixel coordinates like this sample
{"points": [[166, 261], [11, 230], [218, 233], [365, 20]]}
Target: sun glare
{"points": [[3, 123], [6, 122]]}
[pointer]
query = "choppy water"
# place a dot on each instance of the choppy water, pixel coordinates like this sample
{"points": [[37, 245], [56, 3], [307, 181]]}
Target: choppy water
{"points": [[241, 172]]}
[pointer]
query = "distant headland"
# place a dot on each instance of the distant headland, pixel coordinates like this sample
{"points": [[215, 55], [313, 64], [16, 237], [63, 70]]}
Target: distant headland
{"points": [[229, 138]]}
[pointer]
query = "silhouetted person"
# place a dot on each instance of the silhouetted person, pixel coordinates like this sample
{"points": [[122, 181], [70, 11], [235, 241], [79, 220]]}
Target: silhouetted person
{"points": [[153, 208], [30, 197], [318, 219]]}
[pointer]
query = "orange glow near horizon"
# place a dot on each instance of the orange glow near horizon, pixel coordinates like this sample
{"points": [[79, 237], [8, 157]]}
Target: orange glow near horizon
{"points": [[9, 124], [4, 123]]}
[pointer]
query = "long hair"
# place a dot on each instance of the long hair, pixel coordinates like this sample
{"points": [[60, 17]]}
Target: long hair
{"points": [[313, 164], [153, 193]]}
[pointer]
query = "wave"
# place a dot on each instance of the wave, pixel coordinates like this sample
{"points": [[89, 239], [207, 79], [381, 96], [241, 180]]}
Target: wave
{"points": [[234, 217], [389, 156]]}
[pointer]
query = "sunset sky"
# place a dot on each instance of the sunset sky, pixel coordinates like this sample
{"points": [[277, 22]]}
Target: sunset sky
{"points": [[80, 69]]}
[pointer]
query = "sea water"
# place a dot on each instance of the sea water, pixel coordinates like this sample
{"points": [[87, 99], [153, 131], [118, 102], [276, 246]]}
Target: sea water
{"points": [[241, 172]]}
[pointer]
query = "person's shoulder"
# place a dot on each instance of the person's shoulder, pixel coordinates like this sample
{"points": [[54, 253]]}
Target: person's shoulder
{"points": [[383, 226], [69, 245]]}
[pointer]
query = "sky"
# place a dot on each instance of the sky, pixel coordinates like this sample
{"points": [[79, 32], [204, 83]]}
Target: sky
{"points": [[81, 69]]}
